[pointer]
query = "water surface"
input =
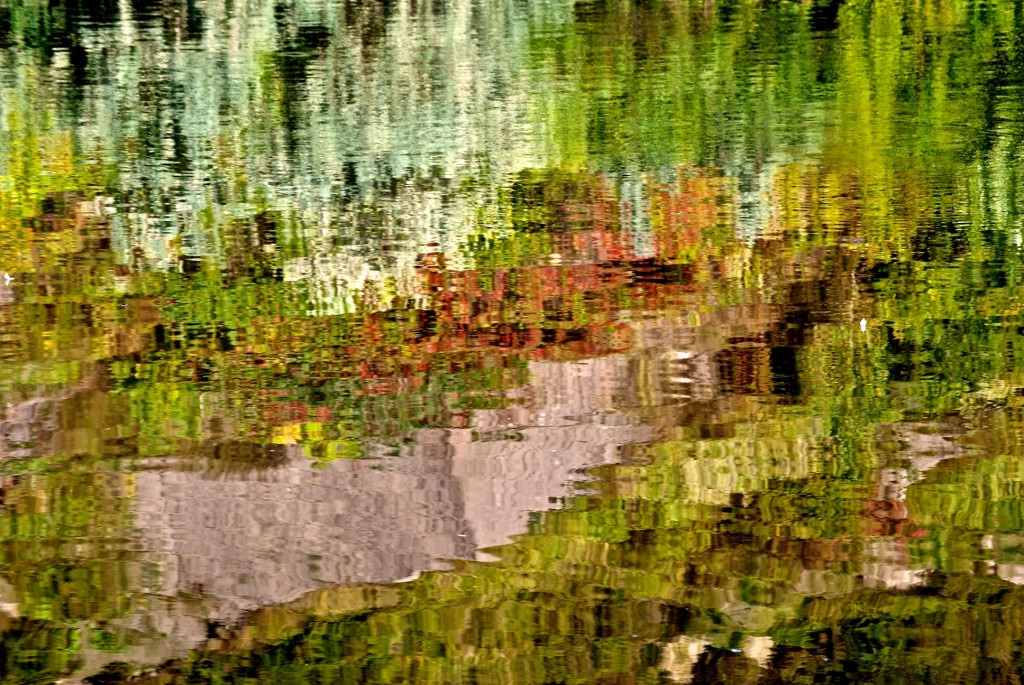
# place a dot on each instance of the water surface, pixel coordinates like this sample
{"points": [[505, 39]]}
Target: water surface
{"points": [[518, 341]]}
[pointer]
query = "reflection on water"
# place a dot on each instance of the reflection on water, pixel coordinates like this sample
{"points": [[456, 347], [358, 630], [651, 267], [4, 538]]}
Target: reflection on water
{"points": [[244, 540], [541, 341]]}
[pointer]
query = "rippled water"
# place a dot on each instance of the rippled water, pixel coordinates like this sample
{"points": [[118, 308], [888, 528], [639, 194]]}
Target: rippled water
{"points": [[511, 341]]}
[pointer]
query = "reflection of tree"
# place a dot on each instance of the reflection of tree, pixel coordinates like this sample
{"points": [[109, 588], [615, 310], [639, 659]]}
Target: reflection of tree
{"points": [[338, 221]]}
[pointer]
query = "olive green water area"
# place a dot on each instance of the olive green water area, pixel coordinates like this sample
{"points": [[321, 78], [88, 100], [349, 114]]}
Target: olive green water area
{"points": [[517, 341]]}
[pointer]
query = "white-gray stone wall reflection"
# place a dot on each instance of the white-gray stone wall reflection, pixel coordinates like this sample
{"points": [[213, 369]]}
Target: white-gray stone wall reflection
{"points": [[249, 539]]}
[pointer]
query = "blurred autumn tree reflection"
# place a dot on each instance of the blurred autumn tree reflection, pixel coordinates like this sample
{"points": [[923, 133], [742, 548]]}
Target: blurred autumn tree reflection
{"points": [[239, 233]]}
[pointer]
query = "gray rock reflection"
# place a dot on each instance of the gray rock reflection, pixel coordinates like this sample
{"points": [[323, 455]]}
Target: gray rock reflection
{"points": [[244, 540]]}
